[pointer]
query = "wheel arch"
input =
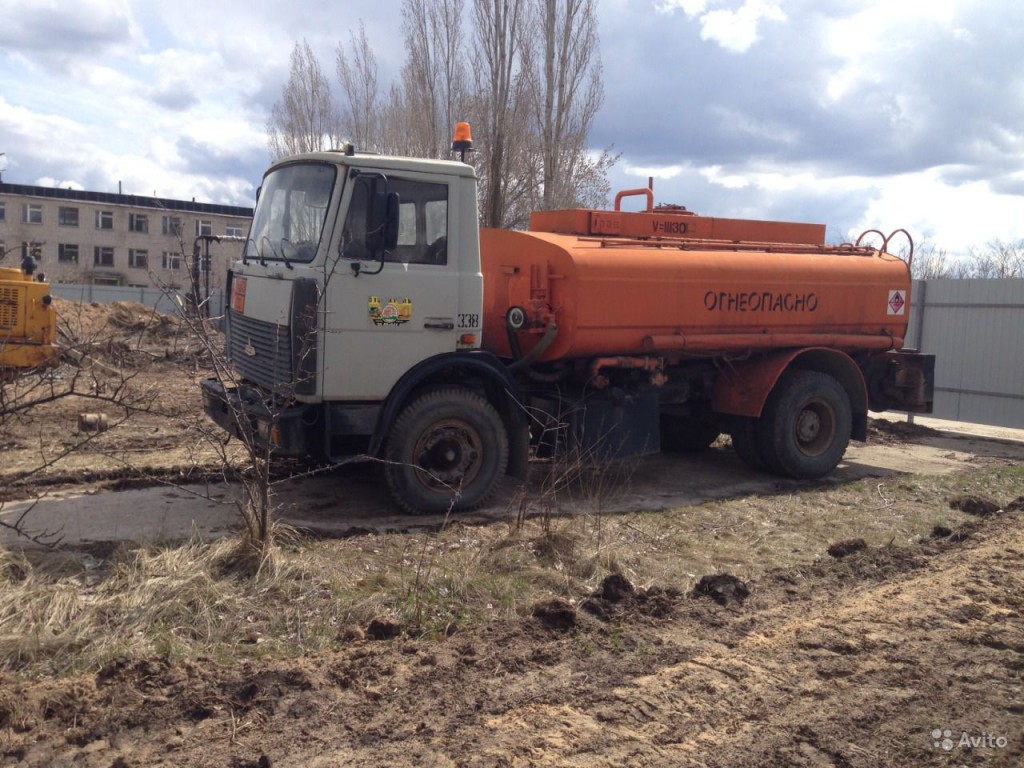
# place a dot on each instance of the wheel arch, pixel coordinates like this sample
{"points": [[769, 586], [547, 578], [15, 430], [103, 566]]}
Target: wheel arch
{"points": [[488, 375], [743, 388]]}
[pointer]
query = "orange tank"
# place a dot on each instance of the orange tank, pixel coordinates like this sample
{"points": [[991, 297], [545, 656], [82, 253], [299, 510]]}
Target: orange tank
{"points": [[685, 295]]}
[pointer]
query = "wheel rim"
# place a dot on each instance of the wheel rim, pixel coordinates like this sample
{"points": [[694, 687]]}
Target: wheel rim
{"points": [[815, 427], [448, 455]]}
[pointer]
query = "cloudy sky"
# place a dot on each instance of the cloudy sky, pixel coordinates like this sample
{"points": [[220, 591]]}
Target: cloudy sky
{"points": [[853, 113]]}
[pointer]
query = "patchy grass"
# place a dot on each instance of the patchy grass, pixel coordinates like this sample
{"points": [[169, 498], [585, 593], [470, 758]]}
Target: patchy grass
{"points": [[62, 613]]}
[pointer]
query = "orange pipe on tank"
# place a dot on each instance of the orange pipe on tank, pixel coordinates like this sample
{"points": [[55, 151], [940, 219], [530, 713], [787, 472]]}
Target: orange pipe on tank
{"points": [[633, 192], [735, 341]]}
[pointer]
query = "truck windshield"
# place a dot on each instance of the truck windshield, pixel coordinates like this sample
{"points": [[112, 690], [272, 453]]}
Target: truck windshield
{"points": [[291, 212]]}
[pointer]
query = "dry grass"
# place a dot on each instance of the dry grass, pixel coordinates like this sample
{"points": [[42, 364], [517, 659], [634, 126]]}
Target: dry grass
{"points": [[62, 613]]}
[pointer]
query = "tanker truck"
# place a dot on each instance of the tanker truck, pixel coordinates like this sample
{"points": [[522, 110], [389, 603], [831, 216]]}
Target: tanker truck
{"points": [[369, 317]]}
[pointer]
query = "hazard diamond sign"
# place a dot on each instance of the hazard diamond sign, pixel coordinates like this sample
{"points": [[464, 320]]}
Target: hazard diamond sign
{"points": [[897, 302]]}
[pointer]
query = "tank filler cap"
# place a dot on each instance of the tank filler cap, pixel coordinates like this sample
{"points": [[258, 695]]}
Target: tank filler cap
{"points": [[516, 318]]}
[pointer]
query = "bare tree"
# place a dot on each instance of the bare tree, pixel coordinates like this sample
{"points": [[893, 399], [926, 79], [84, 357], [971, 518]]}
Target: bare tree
{"points": [[531, 98], [565, 93], [357, 73], [930, 262], [305, 119], [500, 107], [997, 260], [434, 74]]}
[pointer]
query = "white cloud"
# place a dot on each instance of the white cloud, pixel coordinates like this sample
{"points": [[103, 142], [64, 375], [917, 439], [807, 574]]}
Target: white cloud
{"points": [[47, 181], [715, 175], [955, 216], [657, 172], [934, 210], [54, 34], [689, 7], [864, 42], [735, 30], [738, 30]]}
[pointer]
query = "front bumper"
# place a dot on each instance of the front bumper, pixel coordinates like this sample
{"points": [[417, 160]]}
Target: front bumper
{"points": [[248, 415]]}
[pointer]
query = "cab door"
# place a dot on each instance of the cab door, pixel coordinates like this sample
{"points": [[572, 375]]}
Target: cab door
{"points": [[386, 310]]}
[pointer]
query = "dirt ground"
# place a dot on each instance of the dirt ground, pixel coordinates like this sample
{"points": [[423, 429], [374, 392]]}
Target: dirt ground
{"points": [[140, 370], [901, 655], [895, 657]]}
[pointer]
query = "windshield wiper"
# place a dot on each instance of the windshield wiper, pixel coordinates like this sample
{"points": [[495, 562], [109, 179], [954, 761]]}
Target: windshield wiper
{"points": [[283, 256], [245, 251], [263, 260]]}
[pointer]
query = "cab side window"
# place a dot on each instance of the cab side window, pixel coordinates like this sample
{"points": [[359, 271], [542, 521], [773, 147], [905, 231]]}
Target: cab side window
{"points": [[422, 222]]}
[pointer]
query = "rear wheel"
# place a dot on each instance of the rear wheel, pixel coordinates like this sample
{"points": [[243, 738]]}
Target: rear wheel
{"points": [[744, 442], [805, 427], [447, 450]]}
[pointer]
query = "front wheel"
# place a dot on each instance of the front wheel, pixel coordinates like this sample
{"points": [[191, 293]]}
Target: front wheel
{"points": [[447, 451], [805, 427]]}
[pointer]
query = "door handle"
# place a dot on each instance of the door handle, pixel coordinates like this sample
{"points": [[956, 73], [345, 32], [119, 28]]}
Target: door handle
{"points": [[439, 324]]}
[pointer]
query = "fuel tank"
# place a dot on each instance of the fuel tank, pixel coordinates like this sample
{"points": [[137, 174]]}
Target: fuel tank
{"points": [[683, 296]]}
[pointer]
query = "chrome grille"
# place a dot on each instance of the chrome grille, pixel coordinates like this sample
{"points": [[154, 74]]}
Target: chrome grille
{"points": [[260, 351]]}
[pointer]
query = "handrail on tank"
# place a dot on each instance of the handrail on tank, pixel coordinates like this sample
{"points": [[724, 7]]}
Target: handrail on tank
{"points": [[633, 193], [704, 244], [885, 242]]}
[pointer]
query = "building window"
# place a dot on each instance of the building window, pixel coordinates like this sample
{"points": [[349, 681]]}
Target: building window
{"points": [[138, 258], [31, 213], [67, 253], [171, 225], [104, 219], [3, 211], [204, 227], [103, 256], [171, 260], [35, 250], [138, 222], [67, 217], [232, 231]]}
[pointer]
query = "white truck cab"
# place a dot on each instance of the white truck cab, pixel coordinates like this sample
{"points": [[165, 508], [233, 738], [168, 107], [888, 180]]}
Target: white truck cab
{"points": [[358, 294], [314, 221]]}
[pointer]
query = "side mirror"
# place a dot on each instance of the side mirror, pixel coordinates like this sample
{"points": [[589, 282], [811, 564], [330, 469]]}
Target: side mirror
{"points": [[391, 222], [382, 229], [382, 215]]}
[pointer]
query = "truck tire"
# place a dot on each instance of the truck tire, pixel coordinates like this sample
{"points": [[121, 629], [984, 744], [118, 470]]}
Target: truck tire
{"points": [[805, 427], [446, 451], [680, 434], [743, 432]]}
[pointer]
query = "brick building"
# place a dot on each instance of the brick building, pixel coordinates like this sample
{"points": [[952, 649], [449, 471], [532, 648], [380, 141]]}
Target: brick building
{"points": [[113, 239]]}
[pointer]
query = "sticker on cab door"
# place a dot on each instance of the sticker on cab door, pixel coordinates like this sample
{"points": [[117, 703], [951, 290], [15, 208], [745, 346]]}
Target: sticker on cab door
{"points": [[389, 312], [897, 303]]}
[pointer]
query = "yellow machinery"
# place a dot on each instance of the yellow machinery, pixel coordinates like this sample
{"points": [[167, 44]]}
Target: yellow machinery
{"points": [[28, 322]]}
